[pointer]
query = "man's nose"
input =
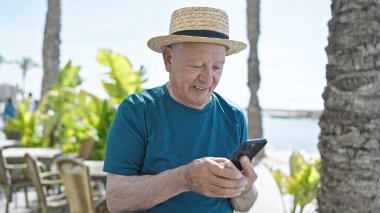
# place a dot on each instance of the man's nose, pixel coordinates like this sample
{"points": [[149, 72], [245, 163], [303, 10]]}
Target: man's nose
{"points": [[206, 75]]}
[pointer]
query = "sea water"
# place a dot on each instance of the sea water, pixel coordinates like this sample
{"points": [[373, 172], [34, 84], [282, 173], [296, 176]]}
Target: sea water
{"points": [[291, 134]]}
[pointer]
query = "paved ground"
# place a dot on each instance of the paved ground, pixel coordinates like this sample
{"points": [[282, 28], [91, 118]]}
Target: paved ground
{"points": [[18, 203], [269, 199]]}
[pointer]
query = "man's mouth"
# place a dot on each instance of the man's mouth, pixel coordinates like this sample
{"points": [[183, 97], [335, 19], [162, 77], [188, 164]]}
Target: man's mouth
{"points": [[201, 88]]}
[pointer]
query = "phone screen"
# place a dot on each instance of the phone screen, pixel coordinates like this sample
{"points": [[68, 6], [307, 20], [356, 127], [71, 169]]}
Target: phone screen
{"points": [[249, 148]]}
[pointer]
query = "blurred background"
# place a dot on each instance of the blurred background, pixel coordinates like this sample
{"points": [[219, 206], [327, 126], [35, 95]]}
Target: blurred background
{"points": [[293, 35], [103, 57]]}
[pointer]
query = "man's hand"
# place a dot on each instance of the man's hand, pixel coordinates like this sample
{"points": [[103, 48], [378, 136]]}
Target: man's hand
{"points": [[248, 172], [247, 198], [216, 177]]}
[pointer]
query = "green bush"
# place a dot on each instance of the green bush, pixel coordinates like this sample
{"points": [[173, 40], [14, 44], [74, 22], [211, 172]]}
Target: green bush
{"points": [[67, 115], [24, 123], [302, 182]]}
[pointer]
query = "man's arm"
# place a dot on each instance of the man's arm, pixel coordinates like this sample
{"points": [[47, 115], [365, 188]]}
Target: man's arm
{"points": [[136, 193], [207, 176], [245, 201]]}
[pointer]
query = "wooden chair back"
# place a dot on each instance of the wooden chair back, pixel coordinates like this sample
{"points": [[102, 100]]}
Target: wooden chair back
{"points": [[35, 172], [76, 180], [13, 181], [86, 148], [4, 173]]}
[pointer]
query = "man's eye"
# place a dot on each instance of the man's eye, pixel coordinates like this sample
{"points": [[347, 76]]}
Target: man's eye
{"points": [[218, 68], [197, 66]]}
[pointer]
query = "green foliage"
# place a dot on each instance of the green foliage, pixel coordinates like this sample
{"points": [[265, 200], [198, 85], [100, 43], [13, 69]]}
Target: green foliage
{"points": [[302, 182], [60, 118], [123, 81], [67, 115], [98, 115], [69, 76], [25, 123]]}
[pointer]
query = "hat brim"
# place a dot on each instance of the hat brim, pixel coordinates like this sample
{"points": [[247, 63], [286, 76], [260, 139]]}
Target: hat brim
{"points": [[158, 43]]}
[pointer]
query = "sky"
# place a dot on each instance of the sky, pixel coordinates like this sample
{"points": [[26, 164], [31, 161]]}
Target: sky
{"points": [[293, 36]]}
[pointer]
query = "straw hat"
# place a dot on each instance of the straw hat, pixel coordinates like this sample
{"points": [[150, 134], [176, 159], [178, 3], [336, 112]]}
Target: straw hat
{"points": [[198, 24]]}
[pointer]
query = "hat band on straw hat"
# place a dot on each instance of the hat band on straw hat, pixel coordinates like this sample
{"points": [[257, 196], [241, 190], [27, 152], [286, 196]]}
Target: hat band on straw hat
{"points": [[202, 33]]}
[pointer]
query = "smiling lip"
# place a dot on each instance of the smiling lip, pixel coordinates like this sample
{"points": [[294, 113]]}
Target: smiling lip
{"points": [[201, 88]]}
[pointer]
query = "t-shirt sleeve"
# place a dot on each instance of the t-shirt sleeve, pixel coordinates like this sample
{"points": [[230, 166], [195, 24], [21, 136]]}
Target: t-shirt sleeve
{"points": [[125, 141]]}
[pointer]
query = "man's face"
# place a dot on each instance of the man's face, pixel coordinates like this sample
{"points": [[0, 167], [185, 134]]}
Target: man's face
{"points": [[194, 71]]}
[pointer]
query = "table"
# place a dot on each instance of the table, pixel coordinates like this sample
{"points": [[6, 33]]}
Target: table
{"points": [[96, 170], [6, 143], [16, 155], [40, 153]]}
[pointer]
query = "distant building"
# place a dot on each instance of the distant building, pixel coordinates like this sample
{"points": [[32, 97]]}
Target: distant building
{"points": [[7, 91]]}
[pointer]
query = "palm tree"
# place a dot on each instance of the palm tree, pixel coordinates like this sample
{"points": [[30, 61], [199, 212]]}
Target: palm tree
{"points": [[350, 124], [254, 110], [25, 65], [51, 45]]}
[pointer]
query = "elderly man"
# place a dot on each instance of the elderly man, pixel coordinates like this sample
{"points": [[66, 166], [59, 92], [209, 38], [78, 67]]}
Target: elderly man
{"points": [[168, 147]]}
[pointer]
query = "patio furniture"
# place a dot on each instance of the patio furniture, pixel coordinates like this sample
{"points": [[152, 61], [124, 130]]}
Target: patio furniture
{"points": [[6, 143], [77, 182], [12, 179], [18, 153], [45, 155], [96, 170], [47, 185], [84, 152], [86, 148]]}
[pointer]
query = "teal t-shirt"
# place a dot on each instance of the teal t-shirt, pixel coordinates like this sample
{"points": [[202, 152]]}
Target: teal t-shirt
{"points": [[151, 133]]}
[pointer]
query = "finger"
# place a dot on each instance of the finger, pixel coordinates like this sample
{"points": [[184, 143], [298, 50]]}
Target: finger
{"points": [[231, 165], [224, 171], [228, 183], [219, 160], [227, 163], [225, 192], [248, 169]]}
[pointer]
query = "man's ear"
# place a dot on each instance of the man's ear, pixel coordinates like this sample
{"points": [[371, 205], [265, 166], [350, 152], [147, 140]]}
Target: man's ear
{"points": [[167, 54]]}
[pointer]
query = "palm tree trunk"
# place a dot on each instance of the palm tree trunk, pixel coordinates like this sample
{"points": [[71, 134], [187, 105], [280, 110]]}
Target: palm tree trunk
{"points": [[254, 111], [51, 45], [350, 124]]}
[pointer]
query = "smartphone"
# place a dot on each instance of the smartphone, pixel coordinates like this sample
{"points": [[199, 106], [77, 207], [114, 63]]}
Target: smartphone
{"points": [[249, 148]]}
